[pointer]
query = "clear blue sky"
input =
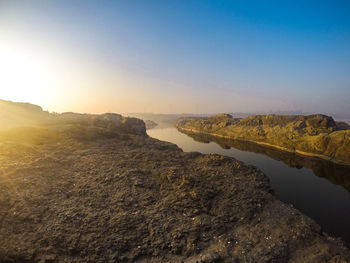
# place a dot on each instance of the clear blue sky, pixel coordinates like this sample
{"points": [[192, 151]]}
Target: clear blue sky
{"points": [[192, 56]]}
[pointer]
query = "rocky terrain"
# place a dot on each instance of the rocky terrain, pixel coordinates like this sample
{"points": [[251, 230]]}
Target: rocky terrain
{"points": [[333, 172], [96, 188], [314, 135], [150, 124], [162, 120], [22, 114]]}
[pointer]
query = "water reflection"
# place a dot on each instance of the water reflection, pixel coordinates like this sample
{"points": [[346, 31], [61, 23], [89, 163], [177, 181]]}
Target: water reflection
{"points": [[325, 197], [335, 173]]}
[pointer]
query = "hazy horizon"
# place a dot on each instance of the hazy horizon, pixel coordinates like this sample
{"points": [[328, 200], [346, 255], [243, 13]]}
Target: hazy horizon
{"points": [[151, 115], [176, 56]]}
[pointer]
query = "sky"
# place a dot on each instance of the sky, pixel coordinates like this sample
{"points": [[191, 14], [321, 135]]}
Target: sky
{"points": [[176, 56]]}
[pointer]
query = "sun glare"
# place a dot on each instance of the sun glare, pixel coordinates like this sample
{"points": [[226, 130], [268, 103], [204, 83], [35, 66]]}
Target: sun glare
{"points": [[56, 80], [26, 73]]}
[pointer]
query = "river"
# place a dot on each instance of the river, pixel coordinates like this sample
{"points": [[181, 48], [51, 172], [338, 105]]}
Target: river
{"points": [[318, 188]]}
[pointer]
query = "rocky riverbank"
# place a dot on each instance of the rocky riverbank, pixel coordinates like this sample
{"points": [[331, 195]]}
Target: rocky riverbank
{"points": [[96, 188], [150, 124], [333, 172], [313, 135]]}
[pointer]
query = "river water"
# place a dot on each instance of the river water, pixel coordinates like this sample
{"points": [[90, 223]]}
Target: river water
{"points": [[318, 188]]}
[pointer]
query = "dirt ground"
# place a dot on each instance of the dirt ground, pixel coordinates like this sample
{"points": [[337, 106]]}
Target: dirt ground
{"points": [[130, 198]]}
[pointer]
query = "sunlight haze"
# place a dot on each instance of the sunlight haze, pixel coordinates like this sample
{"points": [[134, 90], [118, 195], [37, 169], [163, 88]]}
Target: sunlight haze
{"points": [[152, 57], [174, 131]]}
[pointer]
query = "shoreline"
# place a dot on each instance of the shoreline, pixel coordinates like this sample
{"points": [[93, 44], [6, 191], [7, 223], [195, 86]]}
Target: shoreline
{"points": [[120, 192], [323, 157]]}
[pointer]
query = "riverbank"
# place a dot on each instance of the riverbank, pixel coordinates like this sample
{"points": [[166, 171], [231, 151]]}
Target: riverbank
{"points": [[263, 144], [85, 193], [97, 188], [314, 135]]}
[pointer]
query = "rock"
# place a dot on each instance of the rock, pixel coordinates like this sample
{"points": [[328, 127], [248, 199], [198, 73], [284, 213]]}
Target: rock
{"points": [[14, 114], [315, 135], [335, 173], [150, 124], [96, 188]]}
